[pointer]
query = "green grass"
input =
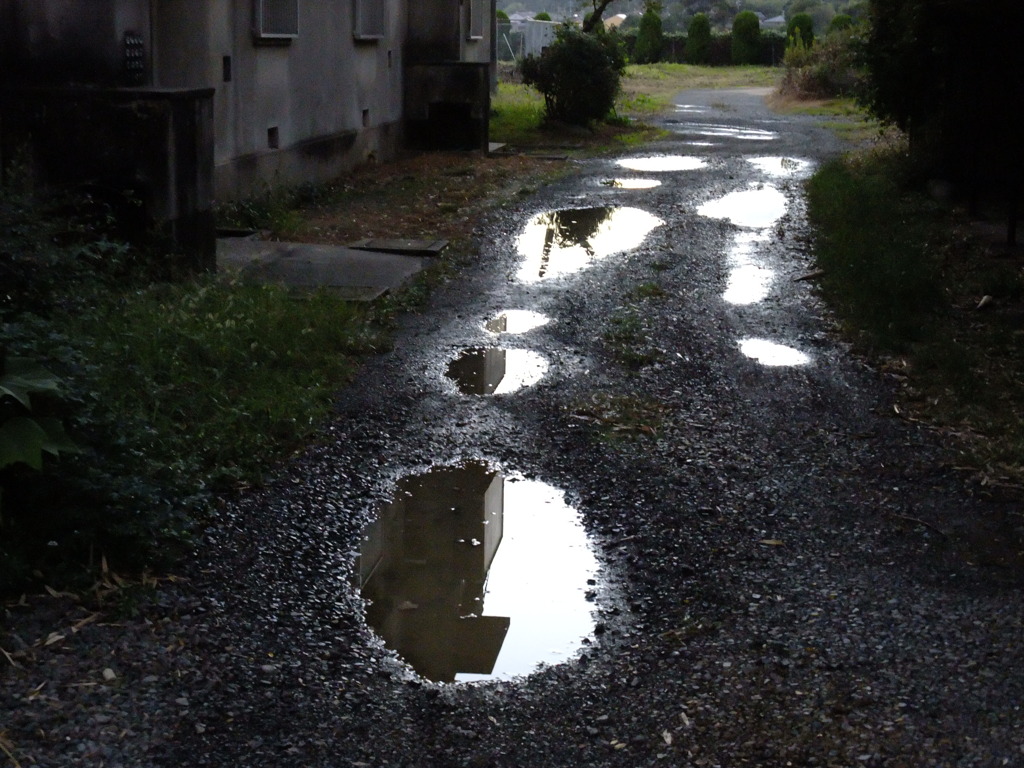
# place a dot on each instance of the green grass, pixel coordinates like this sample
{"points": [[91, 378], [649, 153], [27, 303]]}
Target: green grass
{"points": [[224, 376], [904, 277], [517, 111]]}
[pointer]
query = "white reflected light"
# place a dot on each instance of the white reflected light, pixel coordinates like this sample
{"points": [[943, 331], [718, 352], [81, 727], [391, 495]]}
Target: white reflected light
{"points": [[539, 578], [560, 243], [781, 166], [753, 208], [748, 284], [523, 368], [516, 321], [663, 163], [727, 131], [771, 354]]}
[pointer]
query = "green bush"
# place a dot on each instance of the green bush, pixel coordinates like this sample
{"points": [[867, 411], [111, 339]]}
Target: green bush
{"points": [[649, 39], [579, 76], [502, 17], [840, 23], [827, 70], [698, 39], [801, 27], [746, 38], [542, 16]]}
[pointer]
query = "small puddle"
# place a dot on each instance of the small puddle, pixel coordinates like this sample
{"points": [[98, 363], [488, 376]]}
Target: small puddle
{"points": [[559, 243], [473, 576], [781, 166], [691, 108], [726, 131], [516, 321], [772, 354], [755, 208], [748, 281], [663, 163], [496, 371], [631, 183]]}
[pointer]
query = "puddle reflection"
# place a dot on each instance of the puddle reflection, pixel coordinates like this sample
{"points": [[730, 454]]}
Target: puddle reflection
{"points": [[558, 243], [496, 371], [516, 321], [771, 354], [753, 208], [631, 183], [663, 163], [781, 166], [748, 281], [461, 540], [726, 131]]}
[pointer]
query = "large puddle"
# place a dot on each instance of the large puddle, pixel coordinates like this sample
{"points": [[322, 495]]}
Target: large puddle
{"points": [[472, 576], [754, 208], [496, 371], [563, 242]]}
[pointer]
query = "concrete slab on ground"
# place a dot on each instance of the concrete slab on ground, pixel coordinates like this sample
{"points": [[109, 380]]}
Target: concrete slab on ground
{"points": [[353, 273]]}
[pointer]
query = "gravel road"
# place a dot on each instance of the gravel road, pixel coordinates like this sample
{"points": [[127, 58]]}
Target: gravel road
{"points": [[790, 574]]}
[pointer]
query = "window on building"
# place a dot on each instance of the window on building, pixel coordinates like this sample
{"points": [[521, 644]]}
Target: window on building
{"points": [[277, 19], [477, 18], [369, 20]]}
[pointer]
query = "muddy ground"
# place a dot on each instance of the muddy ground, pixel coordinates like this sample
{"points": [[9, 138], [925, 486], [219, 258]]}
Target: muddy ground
{"points": [[790, 573]]}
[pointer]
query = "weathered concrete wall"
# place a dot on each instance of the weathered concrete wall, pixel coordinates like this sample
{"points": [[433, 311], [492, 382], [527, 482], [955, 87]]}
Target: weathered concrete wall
{"points": [[62, 41], [304, 109], [147, 153]]}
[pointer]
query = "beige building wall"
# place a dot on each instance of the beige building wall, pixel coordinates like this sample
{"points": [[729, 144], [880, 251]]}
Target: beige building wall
{"points": [[286, 110]]}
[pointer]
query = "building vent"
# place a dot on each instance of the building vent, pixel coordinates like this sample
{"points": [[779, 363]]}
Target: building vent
{"points": [[369, 21], [277, 19]]}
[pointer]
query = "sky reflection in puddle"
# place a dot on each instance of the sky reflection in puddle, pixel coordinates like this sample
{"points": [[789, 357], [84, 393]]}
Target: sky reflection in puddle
{"points": [[781, 166], [753, 208], [516, 321], [726, 131], [663, 163], [631, 183], [772, 354], [559, 243], [748, 281], [496, 371], [471, 576]]}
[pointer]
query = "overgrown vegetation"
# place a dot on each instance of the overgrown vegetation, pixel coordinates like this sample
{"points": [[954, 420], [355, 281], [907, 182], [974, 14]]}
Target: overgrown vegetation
{"points": [[578, 75], [935, 306], [169, 388]]}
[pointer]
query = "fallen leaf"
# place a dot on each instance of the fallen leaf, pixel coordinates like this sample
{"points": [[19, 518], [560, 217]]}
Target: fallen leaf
{"points": [[54, 637], [772, 542]]}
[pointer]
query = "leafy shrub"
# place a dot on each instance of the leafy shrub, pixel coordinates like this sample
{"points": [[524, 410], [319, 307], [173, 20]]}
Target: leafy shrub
{"points": [[801, 27], [829, 69], [579, 76], [746, 38], [502, 17], [698, 39], [840, 23], [649, 39], [542, 16]]}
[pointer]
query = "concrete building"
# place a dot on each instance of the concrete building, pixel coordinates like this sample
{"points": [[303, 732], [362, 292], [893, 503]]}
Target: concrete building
{"points": [[295, 90]]}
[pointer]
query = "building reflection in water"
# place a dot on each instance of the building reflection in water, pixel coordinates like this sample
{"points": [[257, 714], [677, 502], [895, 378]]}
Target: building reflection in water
{"points": [[423, 568]]}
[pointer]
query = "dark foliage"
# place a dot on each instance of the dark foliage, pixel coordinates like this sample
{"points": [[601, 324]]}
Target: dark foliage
{"points": [[579, 75], [698, 40], [746, 38], [801, 26], [649, 39], [951, 78]]}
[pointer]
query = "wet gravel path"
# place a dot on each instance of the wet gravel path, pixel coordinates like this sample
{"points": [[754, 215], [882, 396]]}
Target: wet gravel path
{"points": [[791, 575]]}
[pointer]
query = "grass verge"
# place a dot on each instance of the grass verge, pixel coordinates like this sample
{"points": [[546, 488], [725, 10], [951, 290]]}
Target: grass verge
{"points": [[934, 305]]}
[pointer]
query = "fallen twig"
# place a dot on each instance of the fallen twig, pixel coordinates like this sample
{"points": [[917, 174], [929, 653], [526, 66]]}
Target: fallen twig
{"points": [[925, 523]]}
